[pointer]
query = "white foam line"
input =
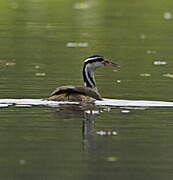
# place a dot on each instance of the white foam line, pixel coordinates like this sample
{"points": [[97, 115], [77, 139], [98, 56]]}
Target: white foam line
{"points": [[36, 102], [4, 105], [105, 102], [133, 103]]}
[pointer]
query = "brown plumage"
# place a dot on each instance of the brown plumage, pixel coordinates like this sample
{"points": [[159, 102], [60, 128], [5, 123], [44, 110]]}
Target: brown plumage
{"points": [[87, 93], [75, 93]]}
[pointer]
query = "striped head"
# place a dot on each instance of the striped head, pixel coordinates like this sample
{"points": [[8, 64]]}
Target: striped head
{"points": [[90, 64], [98, 61]]}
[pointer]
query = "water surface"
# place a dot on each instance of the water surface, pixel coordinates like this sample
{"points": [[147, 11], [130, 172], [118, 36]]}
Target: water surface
{"points": [[42, 46]]}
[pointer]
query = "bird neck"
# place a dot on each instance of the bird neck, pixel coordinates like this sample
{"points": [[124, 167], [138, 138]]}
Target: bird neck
{"points": [[88, 76]]}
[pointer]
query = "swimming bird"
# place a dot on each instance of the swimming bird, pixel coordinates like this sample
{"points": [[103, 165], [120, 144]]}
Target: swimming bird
{"points": [[87, 93]]}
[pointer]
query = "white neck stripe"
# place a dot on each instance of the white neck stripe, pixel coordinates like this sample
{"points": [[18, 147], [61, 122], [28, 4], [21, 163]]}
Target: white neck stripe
{"points": [[89, 59], [87, 72]]}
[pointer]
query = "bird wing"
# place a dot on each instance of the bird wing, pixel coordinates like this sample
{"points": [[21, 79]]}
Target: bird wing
{"points": [[77, 90]]}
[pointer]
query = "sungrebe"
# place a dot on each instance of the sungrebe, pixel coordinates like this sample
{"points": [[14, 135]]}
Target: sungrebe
{"points": [[87, 93]]}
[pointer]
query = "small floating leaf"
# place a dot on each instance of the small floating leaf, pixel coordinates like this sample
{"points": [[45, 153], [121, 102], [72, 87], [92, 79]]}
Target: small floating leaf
{"points": [[37, 67], [10, 63], [168, 75], [112, 159], [40, 74], [151, 52], [159, 62], [167, 15], [77, 44], [145, 75], [118, 81]]}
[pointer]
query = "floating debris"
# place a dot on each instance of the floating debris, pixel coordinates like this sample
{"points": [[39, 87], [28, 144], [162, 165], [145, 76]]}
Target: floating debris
{"points": [[167, 15], [118, 81], [125, 111], [145, 75], [40, 74], [37, 67], [22, 162], [112, 159], [10, 63], [168, 75], [151, 52], [77, 44], [106, 133], [143, 36], [115, 70], [5, 62], [81, 5], [159, 62]]}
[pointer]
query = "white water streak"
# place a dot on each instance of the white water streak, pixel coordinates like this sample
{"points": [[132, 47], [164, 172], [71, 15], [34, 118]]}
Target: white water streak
{"points": [[133, 103], [33, 102], [105, 102]]}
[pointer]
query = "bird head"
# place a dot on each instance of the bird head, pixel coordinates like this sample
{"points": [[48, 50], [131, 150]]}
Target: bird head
{"points": [[96, 61]]}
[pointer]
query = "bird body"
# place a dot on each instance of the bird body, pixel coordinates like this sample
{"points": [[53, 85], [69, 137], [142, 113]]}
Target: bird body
{"points": [[87, 93], [75, 93]]}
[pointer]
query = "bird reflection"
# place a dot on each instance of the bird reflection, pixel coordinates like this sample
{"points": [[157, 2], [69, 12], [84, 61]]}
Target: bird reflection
{"points": [[88, 118], [88, 130]]}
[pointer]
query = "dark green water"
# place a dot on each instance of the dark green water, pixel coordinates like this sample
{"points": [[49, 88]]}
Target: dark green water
{"points": [[35, 57]]}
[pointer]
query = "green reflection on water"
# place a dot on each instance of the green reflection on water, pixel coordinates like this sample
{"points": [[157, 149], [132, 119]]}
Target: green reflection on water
{"points": [[37, 144]]}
